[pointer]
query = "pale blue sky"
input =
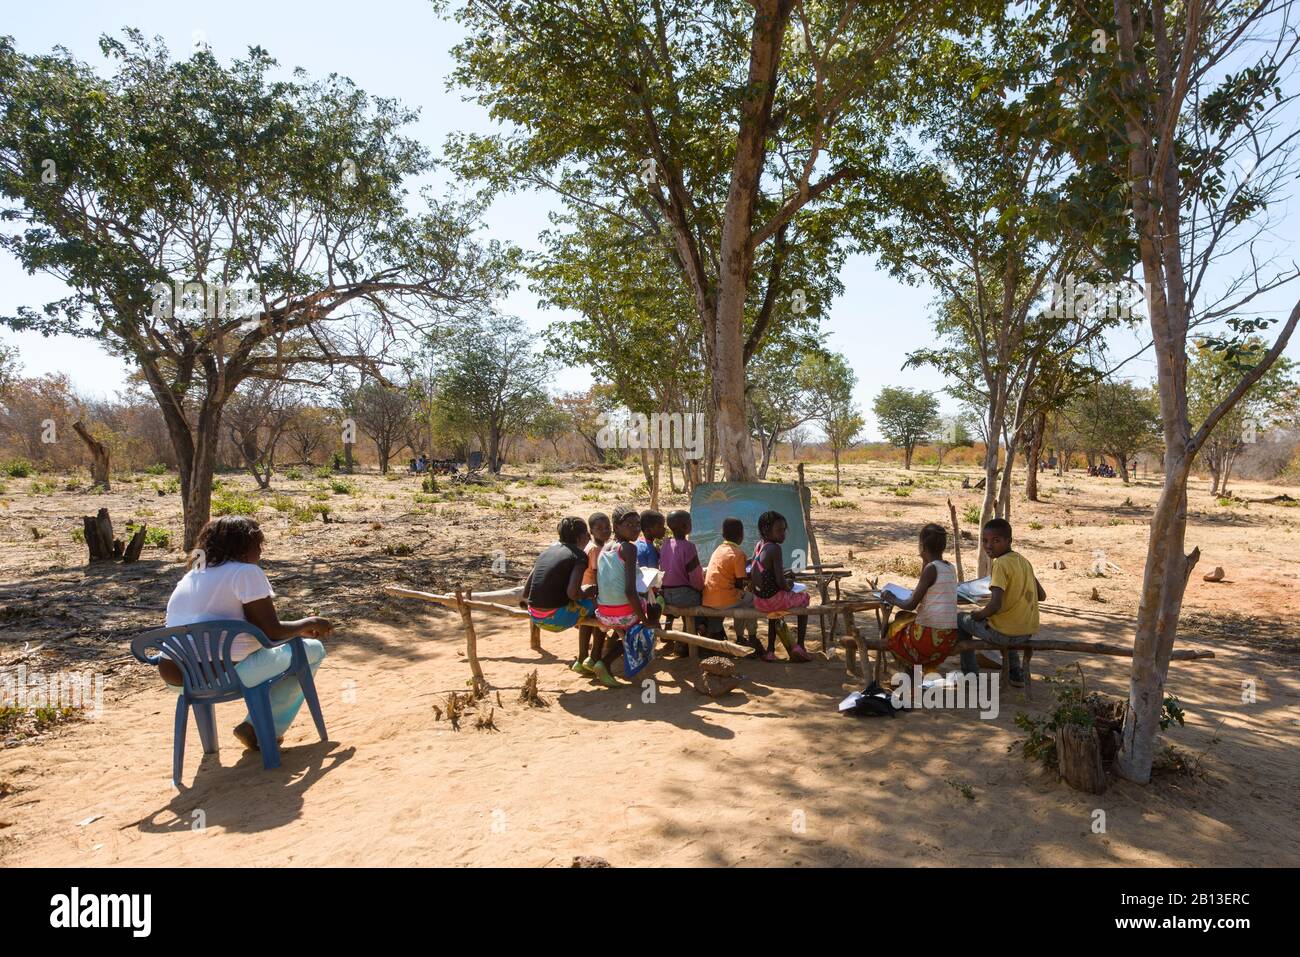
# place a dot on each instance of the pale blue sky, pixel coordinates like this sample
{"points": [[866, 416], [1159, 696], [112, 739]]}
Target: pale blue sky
{"points": [[399, 48]]}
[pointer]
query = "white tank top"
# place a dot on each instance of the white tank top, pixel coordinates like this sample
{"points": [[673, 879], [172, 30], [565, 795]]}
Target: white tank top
{"points": [[938, 609]]}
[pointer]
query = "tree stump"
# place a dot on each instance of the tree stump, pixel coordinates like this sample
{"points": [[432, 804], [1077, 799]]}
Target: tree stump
{"points": [[101, 544], [1078, 755], [99, 536]]}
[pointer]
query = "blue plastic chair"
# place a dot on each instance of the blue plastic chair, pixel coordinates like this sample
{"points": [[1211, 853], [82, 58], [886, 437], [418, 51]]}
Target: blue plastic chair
{"points": [[202, 652]]}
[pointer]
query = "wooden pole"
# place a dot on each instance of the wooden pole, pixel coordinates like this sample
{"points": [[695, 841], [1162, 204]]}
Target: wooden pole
{"points": [[805, 503], [471, 645], [956, 540]]}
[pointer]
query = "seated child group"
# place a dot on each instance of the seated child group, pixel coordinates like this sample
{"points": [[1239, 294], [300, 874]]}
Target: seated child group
{"points": [[592, 578]]}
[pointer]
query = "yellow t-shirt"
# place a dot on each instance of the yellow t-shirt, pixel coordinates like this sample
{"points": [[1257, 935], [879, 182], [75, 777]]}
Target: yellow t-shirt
{"points": [[1015, 576]]}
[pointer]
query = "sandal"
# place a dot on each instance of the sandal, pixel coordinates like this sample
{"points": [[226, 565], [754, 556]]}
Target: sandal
{"points": [[798, 653], [769, 656]]}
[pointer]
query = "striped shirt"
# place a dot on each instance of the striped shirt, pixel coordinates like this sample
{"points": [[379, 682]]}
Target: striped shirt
{"points": [[938, 609]]}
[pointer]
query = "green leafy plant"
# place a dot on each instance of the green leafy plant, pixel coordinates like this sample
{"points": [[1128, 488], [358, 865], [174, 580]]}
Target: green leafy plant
{"points": [[18, 468], [156, 469], [233, 503]]}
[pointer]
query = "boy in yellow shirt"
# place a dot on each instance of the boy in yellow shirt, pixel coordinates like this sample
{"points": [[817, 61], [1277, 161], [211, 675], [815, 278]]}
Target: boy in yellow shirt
{"points": [[1012, 608]]}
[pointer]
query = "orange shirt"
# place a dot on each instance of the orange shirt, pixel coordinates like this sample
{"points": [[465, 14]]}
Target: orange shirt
{"points": [[725, 566], [593, 553]]}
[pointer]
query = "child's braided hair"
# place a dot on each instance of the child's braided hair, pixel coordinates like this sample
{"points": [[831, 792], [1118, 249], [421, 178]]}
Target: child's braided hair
{"points": [[571, 529], [767, 521]]}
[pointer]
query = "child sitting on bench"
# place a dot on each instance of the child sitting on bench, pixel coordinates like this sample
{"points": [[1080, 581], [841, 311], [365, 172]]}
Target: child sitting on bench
{"points": [[1012, 609], [724, 585], [926, 638], [619, 603], [553, 591], [683, 578], [591, 640], [774, 587]]}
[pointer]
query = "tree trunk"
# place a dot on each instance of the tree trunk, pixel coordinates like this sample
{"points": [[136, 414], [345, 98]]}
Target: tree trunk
{"points": [[736, 254], [990, 496], [1163, 583], [347, 457], [907, 457], [99, 463], [835, 450], [654, 485], [494, 448], [1122, 462], [1035, 456]]}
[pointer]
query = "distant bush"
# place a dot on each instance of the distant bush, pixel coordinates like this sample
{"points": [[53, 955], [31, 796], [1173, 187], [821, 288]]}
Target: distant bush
{"points": [[233, 503], [158, 469], [294, 474], [971, 514], [18, 468], [340, 487], [282, 503]]}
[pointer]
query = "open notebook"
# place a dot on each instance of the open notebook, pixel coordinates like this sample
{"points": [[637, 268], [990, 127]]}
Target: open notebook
{"points": [[974, 591]]}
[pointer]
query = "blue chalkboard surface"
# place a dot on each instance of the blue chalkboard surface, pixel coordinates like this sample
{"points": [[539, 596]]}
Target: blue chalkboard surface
{"points": [[711, 503]]}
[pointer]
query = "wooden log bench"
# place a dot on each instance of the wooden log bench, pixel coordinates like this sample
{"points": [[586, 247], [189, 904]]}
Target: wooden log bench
{"points": [[468, 603], [853, 646]]}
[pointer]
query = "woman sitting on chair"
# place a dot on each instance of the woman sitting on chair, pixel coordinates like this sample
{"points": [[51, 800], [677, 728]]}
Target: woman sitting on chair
{"points": [[224, 582]]}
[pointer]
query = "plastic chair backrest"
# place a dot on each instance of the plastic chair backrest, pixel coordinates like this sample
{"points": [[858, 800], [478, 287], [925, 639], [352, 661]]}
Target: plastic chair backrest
{"points": [[202, 652]]}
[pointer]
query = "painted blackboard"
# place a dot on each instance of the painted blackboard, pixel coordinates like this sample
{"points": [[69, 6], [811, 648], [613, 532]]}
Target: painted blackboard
{"points": [[712, 503]]}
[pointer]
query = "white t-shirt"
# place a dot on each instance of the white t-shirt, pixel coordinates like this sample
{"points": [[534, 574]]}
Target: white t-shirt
{"points": [[217, 593]]}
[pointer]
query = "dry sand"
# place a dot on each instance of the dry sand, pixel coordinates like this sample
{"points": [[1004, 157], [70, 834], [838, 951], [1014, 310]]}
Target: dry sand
{"points": [[770, 775]]}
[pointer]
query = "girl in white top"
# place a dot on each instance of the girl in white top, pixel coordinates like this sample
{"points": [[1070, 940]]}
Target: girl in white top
{"points": [[223, 582], [926, 638]]}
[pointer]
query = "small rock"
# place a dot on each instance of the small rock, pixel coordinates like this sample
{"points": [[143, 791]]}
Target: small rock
{"points": [[1059, 565], [1069, 541], [1216, 575], [585, 861], [1096, 595]]}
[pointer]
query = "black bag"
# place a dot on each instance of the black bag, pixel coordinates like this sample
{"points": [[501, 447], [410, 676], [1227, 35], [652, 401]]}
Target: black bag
{"points": [[874, 702]]}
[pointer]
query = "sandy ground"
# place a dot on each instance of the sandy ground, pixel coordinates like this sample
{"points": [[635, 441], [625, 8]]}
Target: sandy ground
{"points": [[771, 775]]}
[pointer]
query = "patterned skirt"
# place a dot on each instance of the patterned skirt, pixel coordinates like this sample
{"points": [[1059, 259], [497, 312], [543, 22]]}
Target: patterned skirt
{"points": [[920, 644]]}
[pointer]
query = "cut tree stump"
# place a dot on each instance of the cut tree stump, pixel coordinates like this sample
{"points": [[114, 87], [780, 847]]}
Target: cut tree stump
{"points": [[101, 544], [1078, 755]]}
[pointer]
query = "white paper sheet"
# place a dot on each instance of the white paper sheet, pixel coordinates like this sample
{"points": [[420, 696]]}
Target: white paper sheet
{"points": [[649, 578], [897, 593], [976, 590]]}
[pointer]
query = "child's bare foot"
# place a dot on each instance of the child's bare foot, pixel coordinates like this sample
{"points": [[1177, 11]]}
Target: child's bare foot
{"points": [[248, 737]]}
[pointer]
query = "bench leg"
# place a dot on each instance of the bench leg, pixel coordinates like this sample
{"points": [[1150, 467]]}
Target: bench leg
{"points": [[534, 636], [1027, 654]]}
